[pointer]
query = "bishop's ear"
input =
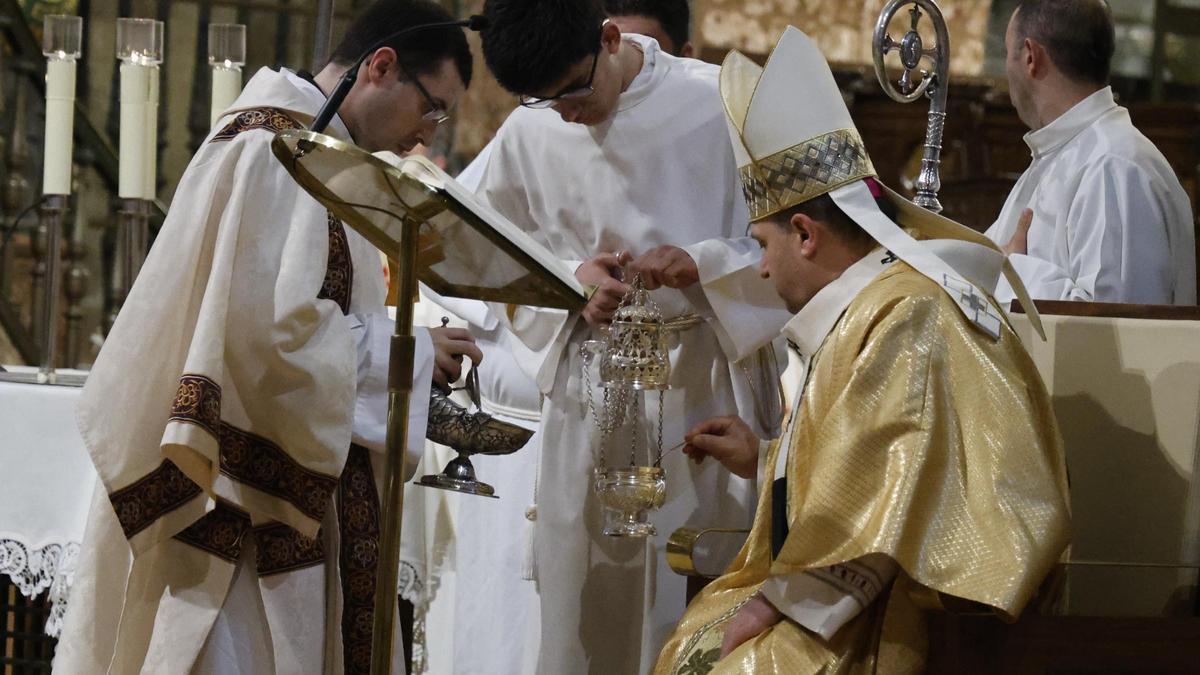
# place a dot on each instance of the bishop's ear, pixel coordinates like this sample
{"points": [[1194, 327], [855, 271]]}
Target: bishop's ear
{"points": [[807, 234]]}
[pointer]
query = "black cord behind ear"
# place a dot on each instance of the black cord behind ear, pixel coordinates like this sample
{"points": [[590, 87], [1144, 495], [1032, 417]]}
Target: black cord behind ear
{"points": [[346, 81]]}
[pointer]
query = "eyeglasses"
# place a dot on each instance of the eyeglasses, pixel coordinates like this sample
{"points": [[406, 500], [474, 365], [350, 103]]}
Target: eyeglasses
{"points": [[570, 94], [437, 114]]}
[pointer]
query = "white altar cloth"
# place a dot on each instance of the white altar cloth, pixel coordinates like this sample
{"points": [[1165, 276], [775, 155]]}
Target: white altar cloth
{"points": [[46, 482]]}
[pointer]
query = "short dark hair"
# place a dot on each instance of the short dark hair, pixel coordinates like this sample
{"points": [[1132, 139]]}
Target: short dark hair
{"points": [[1078, 35], [673, 15], [823, 209], [531, 44], [420, 52]]}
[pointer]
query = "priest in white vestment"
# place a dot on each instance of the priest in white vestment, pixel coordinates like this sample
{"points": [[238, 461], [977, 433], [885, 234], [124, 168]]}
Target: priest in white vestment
{"points": [[236, 415], [1099, 215], [647, 171]]}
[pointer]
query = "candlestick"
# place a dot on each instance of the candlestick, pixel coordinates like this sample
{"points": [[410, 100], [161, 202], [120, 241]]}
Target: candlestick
{"points": [[75, 286], [226, 55], [53, 209], [61, 38], [133, 232]]}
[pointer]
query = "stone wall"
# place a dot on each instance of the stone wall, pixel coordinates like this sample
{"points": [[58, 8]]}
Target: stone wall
{"points": [[842, 29], [482, 110]]}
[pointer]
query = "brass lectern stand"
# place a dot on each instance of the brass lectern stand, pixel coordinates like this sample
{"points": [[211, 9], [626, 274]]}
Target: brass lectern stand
{"points": [[434, 230]]}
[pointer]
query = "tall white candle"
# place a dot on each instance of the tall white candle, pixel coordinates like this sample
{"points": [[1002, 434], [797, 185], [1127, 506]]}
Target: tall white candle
{"points": [[140, 49], [135, 92], [151, 166], [60, 126], [226, 55], [226, 86]]}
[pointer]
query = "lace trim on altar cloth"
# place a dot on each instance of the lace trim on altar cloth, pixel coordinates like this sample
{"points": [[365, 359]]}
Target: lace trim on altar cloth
{"points": [[33, 570], [412, 588], [409, 586]]}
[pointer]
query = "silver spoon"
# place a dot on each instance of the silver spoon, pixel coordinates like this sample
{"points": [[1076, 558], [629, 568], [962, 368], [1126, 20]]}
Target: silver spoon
{"points": [[664, 453]]}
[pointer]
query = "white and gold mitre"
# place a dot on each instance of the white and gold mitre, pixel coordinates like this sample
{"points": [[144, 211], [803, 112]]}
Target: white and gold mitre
{"points": [[794, 140], [793, 137]]}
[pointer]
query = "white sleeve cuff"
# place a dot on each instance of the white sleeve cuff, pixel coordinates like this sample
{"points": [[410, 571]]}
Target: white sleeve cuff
{"points": [[827, 598], [747, 313], [418, 401], [545, 332], [1043, 279], [373, 334]]}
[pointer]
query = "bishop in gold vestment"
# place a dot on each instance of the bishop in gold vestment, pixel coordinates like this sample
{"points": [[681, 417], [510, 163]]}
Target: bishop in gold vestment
{"points": [[922, 464]]}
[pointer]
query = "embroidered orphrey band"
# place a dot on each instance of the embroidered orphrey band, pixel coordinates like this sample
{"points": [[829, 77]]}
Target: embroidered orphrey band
{"points": [[198, 400], [339, 270], [248, 457], [280, 548], [359, 526], [271, 119], [255, 461], [804, 171], [219, 532], [157, 493]]}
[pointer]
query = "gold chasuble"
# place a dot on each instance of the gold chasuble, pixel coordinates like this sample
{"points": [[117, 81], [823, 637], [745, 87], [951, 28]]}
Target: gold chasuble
{"points": [[923, 432], [917, 436]]}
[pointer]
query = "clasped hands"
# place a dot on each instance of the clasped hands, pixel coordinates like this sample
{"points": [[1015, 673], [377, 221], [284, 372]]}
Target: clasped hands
{"points": [[668, 266]]}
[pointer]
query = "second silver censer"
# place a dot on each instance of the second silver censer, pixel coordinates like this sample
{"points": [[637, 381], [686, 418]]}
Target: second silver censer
{"points": [[633, 359]]}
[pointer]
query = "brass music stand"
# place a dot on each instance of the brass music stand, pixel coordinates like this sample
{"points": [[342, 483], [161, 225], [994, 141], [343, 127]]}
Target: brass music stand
{"points": [[461, 255]]}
